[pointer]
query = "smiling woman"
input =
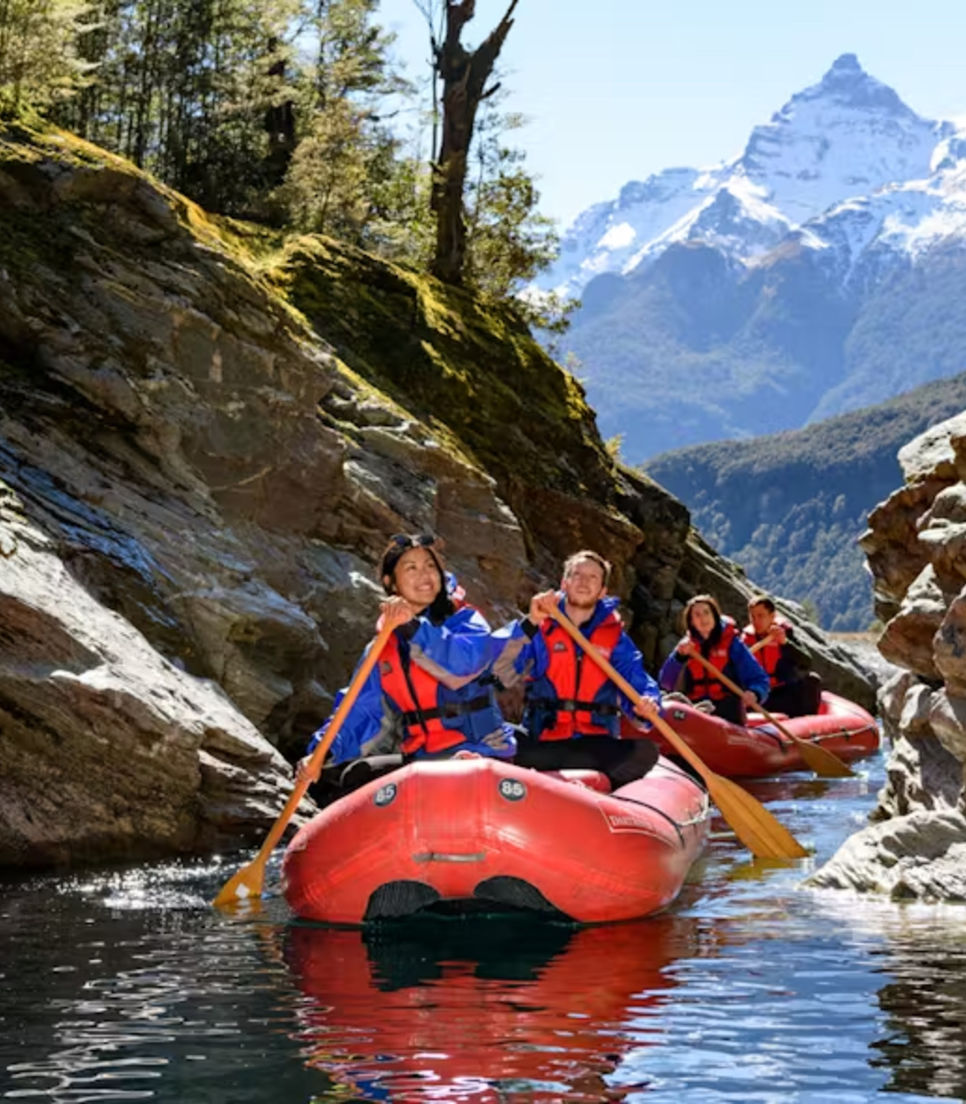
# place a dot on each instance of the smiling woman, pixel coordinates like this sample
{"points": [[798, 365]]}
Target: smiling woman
{"points": [[430, 695], [711, 640]]}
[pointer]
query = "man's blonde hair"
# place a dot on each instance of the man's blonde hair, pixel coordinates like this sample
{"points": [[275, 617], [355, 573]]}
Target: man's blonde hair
{"points": [[588, 554]]}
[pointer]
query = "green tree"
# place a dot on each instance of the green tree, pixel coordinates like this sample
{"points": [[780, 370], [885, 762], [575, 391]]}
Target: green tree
{"points": [[39, 59], [508, 240], [344, 164], [325, 187], [186, 88]]}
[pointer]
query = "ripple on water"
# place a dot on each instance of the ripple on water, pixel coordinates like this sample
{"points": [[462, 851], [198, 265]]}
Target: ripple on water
{"points": [[126, 985]]}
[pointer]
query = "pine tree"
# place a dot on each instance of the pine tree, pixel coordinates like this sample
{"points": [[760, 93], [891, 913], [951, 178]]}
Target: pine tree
{"points": [[39, 60], [187, 90], [345, 156]]}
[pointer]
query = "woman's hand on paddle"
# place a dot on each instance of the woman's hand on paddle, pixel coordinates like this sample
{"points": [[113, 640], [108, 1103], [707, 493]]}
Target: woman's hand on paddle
{"points": [[687, 647], [396, 611], [750, 699], [542, 605], [304, 774]]}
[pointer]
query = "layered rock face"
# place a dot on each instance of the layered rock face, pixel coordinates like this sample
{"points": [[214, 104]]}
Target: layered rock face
{"points": [[916, 547], [205, 439]]}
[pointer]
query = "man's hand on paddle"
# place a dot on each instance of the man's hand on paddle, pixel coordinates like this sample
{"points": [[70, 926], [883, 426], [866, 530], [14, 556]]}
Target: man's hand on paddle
{"points": [[647, 708], [750, 699], [542, 605]]}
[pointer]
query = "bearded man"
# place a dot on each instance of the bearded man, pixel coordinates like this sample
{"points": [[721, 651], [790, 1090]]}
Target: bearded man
{"points": [[572, 711]]}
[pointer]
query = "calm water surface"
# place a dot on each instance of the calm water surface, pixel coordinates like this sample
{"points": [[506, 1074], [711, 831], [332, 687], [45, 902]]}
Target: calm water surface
{"points": [[126, 986]]}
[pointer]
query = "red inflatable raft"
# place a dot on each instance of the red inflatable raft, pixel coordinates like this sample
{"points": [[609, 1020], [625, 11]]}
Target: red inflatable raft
{"points": [[483, 833], [760, 750]]}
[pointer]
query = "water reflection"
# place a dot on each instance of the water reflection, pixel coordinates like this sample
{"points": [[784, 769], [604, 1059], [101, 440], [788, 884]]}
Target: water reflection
{"points": [[126, 985], [475, 1010], [925, 1004], [919, 951]]}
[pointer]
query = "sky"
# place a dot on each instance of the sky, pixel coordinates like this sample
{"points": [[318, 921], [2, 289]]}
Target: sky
{"points": [[615, 90]]}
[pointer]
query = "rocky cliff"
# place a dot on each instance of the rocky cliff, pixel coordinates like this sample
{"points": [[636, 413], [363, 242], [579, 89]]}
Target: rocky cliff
{"points": [[916, 547], [206, 435]]}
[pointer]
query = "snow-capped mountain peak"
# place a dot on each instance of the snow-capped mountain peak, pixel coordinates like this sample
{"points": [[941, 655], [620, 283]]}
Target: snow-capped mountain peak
{"points": [[846, 137]]}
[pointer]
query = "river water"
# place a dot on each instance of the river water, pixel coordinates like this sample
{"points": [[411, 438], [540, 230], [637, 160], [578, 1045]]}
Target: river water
{"points": [[125, 985]]}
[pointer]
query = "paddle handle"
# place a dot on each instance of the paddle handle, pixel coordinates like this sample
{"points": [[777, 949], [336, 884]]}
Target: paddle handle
{"points": [[680, 746], [322, 747], [758, 644]]}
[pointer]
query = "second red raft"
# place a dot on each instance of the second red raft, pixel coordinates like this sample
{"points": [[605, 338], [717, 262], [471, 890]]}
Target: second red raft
{"points": [[759, 749]]}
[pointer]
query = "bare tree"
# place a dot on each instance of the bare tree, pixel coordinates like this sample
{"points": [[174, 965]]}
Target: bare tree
{"points": [[463, 75]]}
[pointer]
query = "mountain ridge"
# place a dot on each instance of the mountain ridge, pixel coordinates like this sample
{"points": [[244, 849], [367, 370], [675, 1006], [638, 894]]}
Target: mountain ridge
{"points": [[791, 506]]}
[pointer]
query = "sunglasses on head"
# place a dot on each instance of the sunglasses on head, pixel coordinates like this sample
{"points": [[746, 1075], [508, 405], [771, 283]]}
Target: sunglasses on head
{"points": [[408, 540]]}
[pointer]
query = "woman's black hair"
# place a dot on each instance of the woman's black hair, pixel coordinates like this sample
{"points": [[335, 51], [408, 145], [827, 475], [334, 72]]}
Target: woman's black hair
{"points": [[709, 600], [441, 606]]}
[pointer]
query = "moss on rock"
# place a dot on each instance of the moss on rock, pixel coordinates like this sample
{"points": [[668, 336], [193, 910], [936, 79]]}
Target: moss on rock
{"points": [[468, 367]]}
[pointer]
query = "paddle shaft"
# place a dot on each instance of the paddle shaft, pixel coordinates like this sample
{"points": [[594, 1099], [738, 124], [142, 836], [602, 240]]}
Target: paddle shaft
{"points": [[683, 749], [757, 829], [251, 876], [737, 690]]}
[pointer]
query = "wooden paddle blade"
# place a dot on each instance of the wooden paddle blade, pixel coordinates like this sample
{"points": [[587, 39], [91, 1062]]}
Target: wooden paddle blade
{"points": [[822, 761], [249, 880], [763, 835], [243, 886]]}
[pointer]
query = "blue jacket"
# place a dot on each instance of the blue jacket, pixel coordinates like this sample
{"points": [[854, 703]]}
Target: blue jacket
{"points": [[742, 668], [460, 652], [533, 660]]}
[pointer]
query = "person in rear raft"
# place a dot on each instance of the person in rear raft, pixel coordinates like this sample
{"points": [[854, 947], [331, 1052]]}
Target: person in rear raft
{"points": [[431, 693], [795, 690], [571, 710], [714, 636]]}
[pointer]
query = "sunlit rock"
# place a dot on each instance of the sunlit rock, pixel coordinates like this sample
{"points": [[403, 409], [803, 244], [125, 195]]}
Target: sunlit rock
{"points": [[917, 552]]}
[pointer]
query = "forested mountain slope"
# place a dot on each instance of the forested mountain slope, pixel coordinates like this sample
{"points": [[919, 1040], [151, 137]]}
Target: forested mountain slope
{"points": [[790, 506]]}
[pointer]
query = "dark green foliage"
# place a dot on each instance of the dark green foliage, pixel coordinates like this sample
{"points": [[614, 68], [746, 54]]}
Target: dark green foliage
{"points": [[288, 113], [790, 506]]}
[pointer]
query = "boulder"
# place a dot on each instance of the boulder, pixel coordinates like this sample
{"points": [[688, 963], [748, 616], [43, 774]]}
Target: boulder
{"points": [[916, 846]]}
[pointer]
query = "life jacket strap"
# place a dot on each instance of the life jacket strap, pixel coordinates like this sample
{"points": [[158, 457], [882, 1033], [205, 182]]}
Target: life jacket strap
{"points": [[448, 710], [571, 705]]}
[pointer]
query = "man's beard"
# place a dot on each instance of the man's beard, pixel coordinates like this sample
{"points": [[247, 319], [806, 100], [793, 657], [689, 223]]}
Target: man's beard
{"points": [[582, 605]]}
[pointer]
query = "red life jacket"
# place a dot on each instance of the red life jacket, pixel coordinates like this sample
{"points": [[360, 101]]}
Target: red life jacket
{"points": [[703, 683], [415, 693], [769, 654], [577, 680]]}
